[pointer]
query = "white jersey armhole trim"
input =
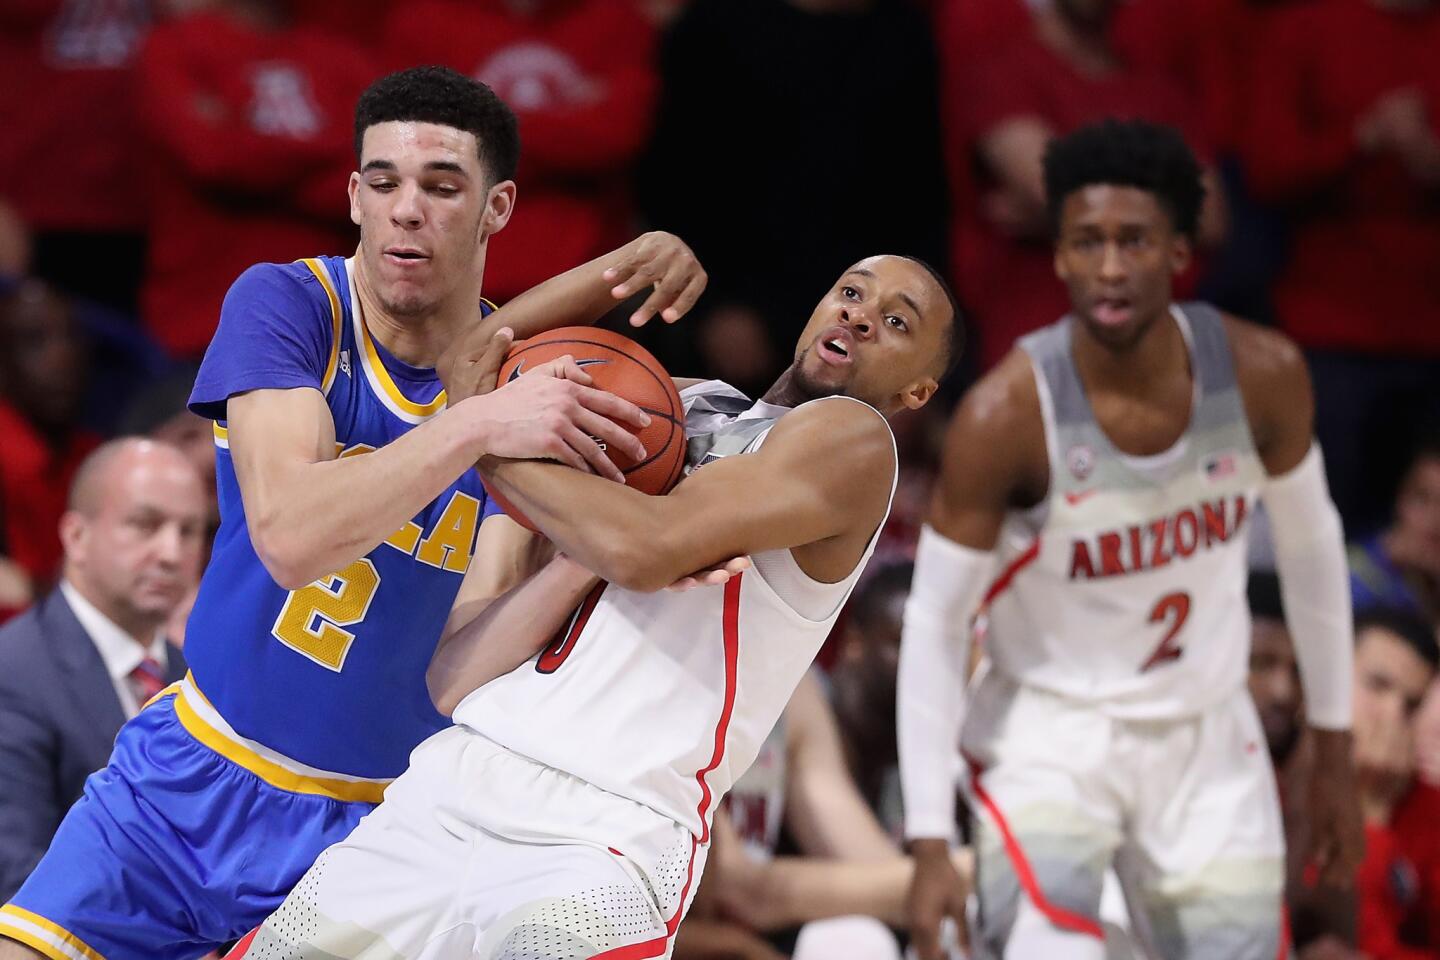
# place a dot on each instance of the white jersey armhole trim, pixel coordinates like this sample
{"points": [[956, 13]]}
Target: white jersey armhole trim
{"points": [[809, 599]]}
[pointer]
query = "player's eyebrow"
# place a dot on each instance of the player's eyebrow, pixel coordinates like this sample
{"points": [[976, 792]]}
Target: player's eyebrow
{"points": [[909, 300], [445, 166]]}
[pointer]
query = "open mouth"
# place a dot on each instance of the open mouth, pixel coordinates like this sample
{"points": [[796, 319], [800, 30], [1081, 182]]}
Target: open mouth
{"points": [[408, 255], [1112, 311], [836, 346]]}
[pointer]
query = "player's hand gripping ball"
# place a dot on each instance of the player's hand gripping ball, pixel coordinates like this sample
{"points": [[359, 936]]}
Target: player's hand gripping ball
{"points": [[620, 365]]}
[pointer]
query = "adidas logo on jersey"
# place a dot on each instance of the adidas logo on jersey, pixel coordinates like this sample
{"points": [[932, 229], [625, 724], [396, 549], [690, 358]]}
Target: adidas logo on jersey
{"points": [[345, 362], [1135, 549]]}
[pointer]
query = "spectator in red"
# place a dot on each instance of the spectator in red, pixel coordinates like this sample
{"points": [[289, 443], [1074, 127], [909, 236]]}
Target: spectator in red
{"points": [[68, 119], [579, 76], [1003, 107], [1399, 882], [249, 116], [1345, 129], [42, 384]]}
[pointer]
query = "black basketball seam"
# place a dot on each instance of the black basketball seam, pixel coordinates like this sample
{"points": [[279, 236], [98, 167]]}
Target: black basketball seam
{"points": [[671, 393], [669, 439], [605, 346]]}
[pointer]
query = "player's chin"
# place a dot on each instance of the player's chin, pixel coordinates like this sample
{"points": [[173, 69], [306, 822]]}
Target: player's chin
{"points": [[827, 381]]}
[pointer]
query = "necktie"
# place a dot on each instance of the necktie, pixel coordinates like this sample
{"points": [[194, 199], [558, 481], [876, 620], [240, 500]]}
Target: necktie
{"points": [[146, 680]]}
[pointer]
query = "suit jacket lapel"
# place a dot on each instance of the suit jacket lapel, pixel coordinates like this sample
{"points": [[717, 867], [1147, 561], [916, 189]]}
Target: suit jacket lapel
{"points": [[92, 691]]}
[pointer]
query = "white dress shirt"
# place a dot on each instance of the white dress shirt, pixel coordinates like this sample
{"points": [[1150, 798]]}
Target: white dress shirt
{"points": [[118, 649]]}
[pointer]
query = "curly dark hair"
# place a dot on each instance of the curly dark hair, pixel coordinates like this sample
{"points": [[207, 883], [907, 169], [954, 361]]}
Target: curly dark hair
{"points": [[443, 96], [1126, 153]]}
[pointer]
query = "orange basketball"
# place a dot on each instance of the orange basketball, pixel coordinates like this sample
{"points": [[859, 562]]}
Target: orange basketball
{"points": [[620, 365]]}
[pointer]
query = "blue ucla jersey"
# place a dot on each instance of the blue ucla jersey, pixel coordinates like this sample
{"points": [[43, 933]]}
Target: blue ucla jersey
{"points": [[330, 677]]}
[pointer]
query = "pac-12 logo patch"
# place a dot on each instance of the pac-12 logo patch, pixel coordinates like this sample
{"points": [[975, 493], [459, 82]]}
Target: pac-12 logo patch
{"points": [[1081, 461]]}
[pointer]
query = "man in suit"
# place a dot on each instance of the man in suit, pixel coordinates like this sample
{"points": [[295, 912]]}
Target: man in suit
{"points": [[88, 655]]}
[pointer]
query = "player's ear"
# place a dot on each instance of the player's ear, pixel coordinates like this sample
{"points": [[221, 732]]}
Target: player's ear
{"points": [[499, 204], [1180, 254], [354, 190], [919, 393]]}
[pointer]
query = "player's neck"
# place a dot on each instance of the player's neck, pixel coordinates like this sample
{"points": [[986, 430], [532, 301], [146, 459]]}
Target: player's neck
{"points": [[1156, 357], [785, 392], [419, 339]]}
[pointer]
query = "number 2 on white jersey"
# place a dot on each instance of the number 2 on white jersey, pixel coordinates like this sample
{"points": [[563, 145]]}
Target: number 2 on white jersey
{"points": [[1177, 603]]}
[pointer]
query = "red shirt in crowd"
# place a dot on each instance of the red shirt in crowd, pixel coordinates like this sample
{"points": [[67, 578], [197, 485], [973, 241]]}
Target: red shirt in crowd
{"points": [[67, 119], [1009, 284], [1399, 881], [1365, 243], [34, 483], [580, 76], [252, 133]]}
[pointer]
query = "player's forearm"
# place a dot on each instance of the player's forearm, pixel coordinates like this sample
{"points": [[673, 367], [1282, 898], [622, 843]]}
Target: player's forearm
{"points": [[315, 518], [604, 526], [577, 297], [1315, 588], [796, 890], [934, 664], [506, 632]]}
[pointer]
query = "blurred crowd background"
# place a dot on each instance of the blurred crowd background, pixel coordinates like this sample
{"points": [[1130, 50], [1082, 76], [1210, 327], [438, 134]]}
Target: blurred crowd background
{"points": [[151, 150]]}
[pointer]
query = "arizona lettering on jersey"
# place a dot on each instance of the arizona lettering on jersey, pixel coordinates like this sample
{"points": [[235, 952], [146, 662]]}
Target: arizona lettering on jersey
{"points": [[1148, 546], [1125, 587], [329, 677]]}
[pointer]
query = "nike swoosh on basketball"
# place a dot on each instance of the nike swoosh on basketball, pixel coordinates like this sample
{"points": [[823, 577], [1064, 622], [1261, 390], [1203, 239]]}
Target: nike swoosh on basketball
{"points": [[514, 374], [1074, 499]]}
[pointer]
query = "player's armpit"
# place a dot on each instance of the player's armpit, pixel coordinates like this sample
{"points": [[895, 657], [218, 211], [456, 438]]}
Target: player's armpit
{"points": [[824, 473]]}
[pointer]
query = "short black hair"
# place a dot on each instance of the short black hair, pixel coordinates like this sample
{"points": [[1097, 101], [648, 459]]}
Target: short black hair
{"points": [[1418, 635], [955, 336], [443, 96], [1126, 153], [1263, 592]]}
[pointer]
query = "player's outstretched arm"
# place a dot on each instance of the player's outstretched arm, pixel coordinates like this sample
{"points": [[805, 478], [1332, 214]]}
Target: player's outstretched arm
{"points": [[823, 474], [1314, 579], [311, 512], [582, 296], [994, 458], [506, 631]]}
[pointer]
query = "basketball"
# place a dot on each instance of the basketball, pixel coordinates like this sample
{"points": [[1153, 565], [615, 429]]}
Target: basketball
{"points": [[620, 365]]}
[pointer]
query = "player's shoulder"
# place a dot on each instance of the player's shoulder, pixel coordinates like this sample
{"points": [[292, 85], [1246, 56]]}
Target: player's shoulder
{"points": [[833, 431], [300, 280], [1003, 401], [1266, 360]]}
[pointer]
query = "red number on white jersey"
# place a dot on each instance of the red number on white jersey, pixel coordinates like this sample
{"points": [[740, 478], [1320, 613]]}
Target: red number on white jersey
{"points": [[1179, 604]]}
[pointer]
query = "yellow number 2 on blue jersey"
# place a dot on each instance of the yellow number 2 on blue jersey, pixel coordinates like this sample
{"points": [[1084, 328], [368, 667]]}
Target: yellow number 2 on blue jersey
{"points": [[313, 619]]}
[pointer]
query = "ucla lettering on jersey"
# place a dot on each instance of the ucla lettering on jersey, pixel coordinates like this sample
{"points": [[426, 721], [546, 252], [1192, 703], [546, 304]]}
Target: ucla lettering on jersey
{"points": [[328, 678]]}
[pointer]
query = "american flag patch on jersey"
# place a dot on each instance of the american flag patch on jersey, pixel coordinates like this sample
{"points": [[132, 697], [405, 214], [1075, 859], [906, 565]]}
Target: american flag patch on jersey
{"points": [[1218, 466]]}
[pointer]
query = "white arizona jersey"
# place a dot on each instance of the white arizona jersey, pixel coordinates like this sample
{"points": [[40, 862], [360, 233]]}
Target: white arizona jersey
{"points": [[665, 698], [1125, 587]]}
